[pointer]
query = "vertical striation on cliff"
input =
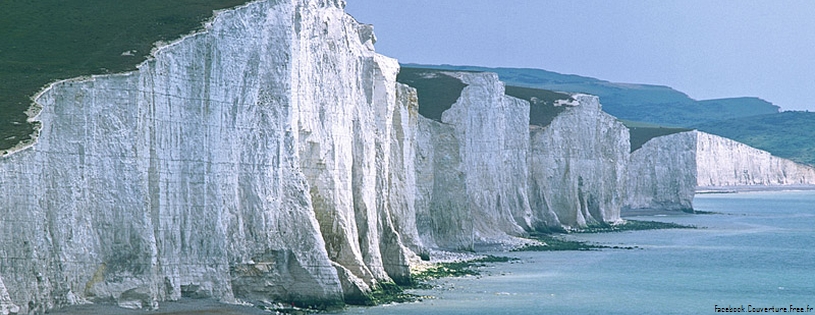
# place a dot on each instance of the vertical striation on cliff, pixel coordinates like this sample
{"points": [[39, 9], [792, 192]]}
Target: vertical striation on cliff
{"points": [[662, 173], [471, 167], [402, 180], [244, 162], [6, 305], [345, 103], [484, 174], [725, 162], [577, 167], [666, 172]]}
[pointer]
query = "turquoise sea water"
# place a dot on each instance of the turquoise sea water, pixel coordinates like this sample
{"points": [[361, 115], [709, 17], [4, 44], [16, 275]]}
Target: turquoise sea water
{"points": [[759, 251]]}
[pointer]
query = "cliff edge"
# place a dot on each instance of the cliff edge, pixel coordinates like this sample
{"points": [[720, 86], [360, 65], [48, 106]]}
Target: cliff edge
{"points": [[668, 170], [242, 163]]}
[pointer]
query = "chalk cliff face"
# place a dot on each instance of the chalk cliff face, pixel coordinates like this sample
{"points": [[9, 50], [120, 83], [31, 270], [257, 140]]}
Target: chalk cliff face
{"points": [[471, 167], [484, 174], [251, 161], [345, 101], [662, 173], [6, 305], [724, 162], [274, 157], [578, 166], [666, 171]]}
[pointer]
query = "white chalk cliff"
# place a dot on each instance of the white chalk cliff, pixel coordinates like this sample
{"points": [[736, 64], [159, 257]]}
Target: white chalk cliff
{"points": [[578, 167], [662, 173], [273, 157], [471, 167], [6, 305], [484, 174], [250, 161], [667, 170], [724, 162]]}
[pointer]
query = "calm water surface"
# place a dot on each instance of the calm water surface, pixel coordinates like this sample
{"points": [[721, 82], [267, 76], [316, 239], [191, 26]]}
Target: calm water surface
{"points": [[759, 250]]}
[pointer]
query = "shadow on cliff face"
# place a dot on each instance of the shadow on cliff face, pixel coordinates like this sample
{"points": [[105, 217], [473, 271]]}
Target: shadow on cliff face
{"points": [[437, 91]]}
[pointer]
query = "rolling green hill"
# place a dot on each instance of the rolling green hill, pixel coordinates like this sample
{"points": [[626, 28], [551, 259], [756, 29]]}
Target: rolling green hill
{"points": [[660, 105], [47, 40], [787, 134], [653, 110]]}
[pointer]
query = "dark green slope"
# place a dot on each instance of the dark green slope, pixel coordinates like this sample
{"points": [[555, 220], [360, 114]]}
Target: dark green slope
{"points": [[787, 134], [437, 92], [46, 40], [654, 104], [542, 109], [750, 120]]}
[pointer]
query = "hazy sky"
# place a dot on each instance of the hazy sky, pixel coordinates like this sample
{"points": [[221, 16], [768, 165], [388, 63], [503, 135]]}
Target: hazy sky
{"points": [[707, 49]]}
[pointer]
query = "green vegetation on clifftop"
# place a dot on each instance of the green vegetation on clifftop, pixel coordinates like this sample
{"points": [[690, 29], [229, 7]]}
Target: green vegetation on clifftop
{"points": [[641, 135], [542, 109], [750, 120], [654, 104], [47, 40], [788, 135], [437, 91]]}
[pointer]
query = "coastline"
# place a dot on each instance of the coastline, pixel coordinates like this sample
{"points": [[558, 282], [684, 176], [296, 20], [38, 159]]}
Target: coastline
{"points": [[568, 275], [182, 306], [749, 188]]}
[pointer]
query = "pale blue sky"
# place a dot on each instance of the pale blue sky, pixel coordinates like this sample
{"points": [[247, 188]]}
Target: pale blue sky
{"points": [[705, 48]]}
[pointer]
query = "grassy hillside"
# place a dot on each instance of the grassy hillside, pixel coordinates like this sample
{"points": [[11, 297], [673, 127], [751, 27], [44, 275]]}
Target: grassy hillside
{"points": [[648, 110], [788, 134], [46, 40], [641, 135], [542, 109], [437, 91], [654, 104]]}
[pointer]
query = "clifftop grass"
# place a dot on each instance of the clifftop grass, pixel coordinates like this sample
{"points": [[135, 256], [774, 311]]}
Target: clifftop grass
{"points": [[787, 134], [641, 135], [437, 91], [48, 40], [542, 109]]}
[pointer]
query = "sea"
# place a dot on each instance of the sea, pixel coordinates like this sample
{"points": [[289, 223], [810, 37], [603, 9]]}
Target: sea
{"points": [[755, 252]]}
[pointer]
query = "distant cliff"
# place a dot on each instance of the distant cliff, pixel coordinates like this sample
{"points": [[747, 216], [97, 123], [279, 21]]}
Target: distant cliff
{"points": [[472, 166], [749, 120], [656, 104], [724, 162], [667, 170], [662, 173], [485, 173]]}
